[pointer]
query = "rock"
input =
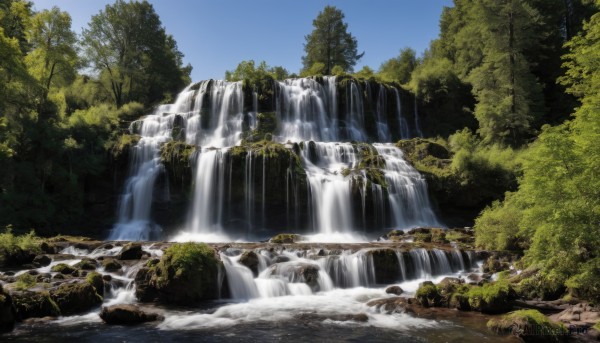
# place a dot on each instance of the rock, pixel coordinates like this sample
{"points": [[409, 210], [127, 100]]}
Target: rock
{"points": [[285, 238], [48, 248], [358, 317], [86, 264], [74, 298], [30, 304], [530, 326], [394, 290], [187, 273], [127, 315], [281, 259], [63, 268], [111, 265], [106, 277], [41, 261], [8, 314], [131, 251], [387, 267], [580, 314], [394, 305], [250, 260], [428, 295], [96, 280], [492, 297], [493, 265]]}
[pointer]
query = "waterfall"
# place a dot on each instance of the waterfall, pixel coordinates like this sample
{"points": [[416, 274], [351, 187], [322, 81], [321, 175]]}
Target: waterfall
{"points": [[313, 113]]}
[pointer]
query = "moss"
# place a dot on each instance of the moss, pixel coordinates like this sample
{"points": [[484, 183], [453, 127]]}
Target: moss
{"points": [[458, 236], [86, 264], [285, 238], [110, 265], [493, 297], [121, 148], [176, 156], [25, 281], [530, 325], [428, 295], [187, 273], [537, 287], [95, 279], [74, 298], [597, 326], [35, 304], [62, 268], [424, 237]]}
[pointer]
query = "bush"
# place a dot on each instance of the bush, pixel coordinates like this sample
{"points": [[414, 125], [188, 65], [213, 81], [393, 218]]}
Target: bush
{"points": [[492, 297], [10, 244], [428, 295]]}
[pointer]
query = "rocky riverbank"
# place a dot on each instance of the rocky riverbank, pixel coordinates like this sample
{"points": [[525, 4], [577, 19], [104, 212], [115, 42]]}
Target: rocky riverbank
{"points": [[65, 276]]}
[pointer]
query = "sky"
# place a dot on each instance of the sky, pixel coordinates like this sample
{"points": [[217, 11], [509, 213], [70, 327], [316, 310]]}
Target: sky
{"points": [[215, 35]]}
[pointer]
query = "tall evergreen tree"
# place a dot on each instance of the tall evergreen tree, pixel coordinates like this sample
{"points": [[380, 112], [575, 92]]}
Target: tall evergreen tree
{"points": [[330, 42]]}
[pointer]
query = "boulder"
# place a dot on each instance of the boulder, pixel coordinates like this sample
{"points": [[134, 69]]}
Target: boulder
{"points": [[76, 297], [394, 290], [8, 314], [187, 273], [492, 298], [111, 265], [30, 304], [127, 315], [530, 326], [285, 238], [579, 314], [96, 280], [131, 251], [63, 268], [250, 260], [86, 264], [41, 261], [394, 305], [428, 295]]}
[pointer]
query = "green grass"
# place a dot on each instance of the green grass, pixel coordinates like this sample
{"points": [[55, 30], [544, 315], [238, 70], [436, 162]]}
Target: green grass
{"points": [[10, 243], [25, 281], [528, 322]]}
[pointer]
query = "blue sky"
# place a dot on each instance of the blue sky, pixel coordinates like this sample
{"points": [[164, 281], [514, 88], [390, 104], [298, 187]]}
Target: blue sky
{"points": [[215, 35]]}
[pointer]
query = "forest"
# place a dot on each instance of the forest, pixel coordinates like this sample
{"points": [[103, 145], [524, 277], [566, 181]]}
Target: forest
{"points": [[510, 88]]}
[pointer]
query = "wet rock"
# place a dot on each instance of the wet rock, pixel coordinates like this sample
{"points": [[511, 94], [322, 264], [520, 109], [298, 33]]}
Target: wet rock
{"points": [[131, 251], [86, 264], [41, 261], [387, 267], [48, 248], [8, 314], [394, 305], [529, 326], [127, 315], [107, 278], [350, 317], [74, 298], [394, 290], [250, 260], [493, 265], [63, 268], [285, 238], [281, 259], [30, 304], [111, 265], [95, 279], [187, 273]]}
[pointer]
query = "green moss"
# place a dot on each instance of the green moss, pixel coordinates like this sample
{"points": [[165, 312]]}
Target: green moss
{"points": [[111, 265], [422, 237], [35, 304], [285, 238], [176, 156], [86, 264], [460, 237], [120, 148], [95, 279], [10, 243], [597, 326], [493, 297], [74, 298], [529, 325], [428, 294], [25, 281]]}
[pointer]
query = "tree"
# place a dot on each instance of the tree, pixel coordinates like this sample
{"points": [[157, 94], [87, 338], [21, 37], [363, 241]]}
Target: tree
{"points": [[247, 70], [53, 55], [508, 95], [398, 69], [330, 43], [130, 49], [365, 73]]}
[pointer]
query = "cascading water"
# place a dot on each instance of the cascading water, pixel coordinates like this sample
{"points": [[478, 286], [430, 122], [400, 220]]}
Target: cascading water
{"points": [[215, 116]]}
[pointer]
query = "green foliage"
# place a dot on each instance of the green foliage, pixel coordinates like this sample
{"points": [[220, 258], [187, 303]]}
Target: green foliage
{"points": [[316, 69], [330, 43], [428, 295], [247, 70], [498, 226], [285, 238], [10, 243], [25, 281], [137, 59], [399, 69], [365, 73], [185, 260]]}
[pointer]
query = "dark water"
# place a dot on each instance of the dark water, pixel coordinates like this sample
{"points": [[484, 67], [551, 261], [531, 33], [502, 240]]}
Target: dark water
{"points": [[464, 330]]}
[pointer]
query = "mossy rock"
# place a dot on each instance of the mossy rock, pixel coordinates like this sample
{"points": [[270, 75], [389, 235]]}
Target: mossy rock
{"points": [[111, 265], [494, 265], [73, 298], [187, 273], [86, 264], [265, 127], [176, 157], [95, 279], [120, 150], [63, 268], [387, 267], [535, 286], [493, 297], [530, 326], [30, 304], [423, 237], [428, 295], [285, 238], [395, 235]]}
